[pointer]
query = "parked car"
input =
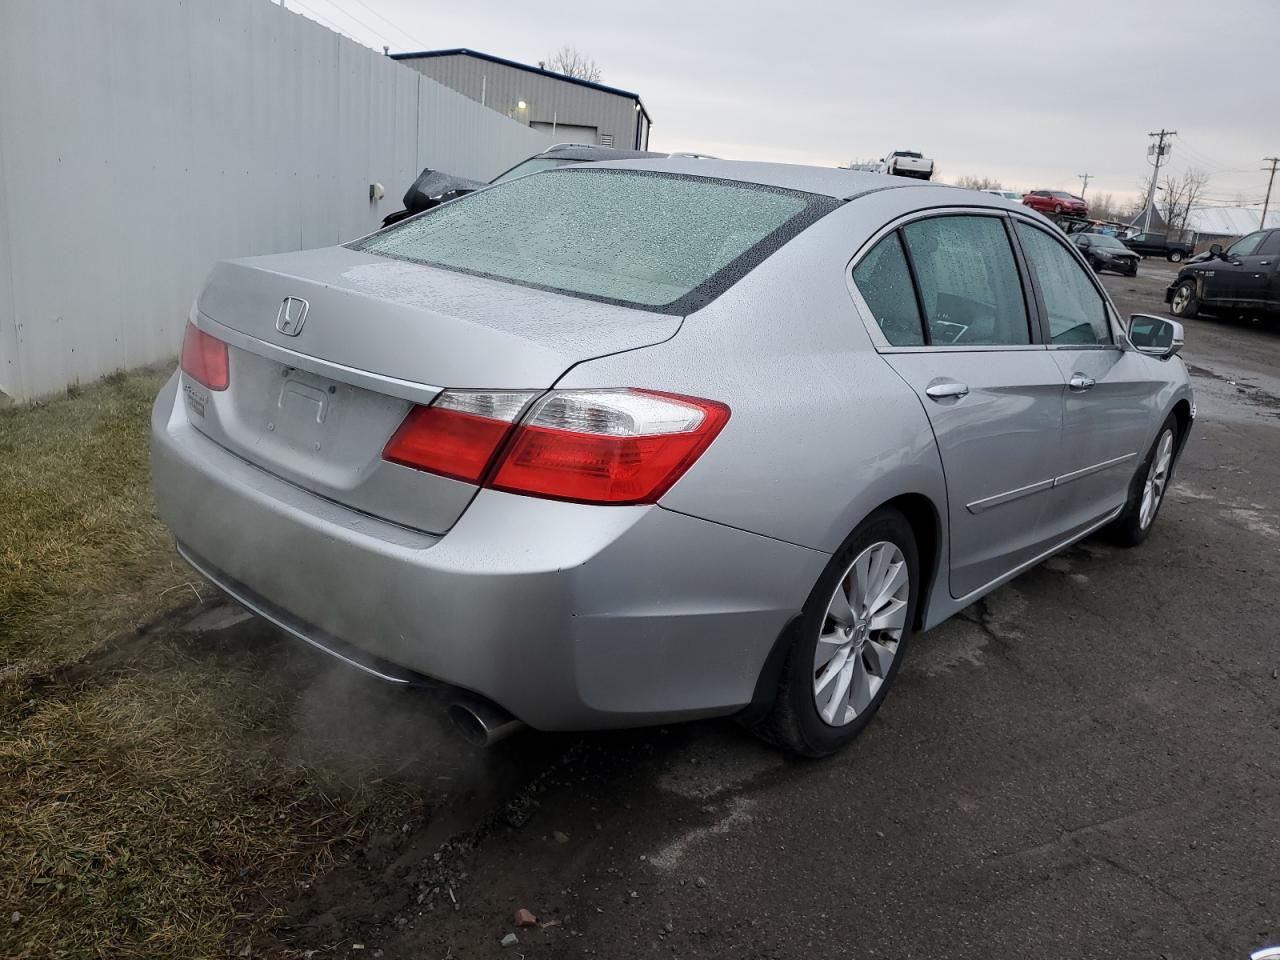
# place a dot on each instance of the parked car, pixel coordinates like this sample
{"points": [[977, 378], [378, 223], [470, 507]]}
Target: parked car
{"points": [[1103, 252], [1158, 245], [1056, 202], [1244, 278], [727, 462], [1006, 194], [433, 187], [908, 163]]}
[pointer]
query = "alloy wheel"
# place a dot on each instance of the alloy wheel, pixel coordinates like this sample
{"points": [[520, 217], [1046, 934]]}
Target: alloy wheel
{"points": [[1157, 480], [861, 633], [1180, 298]]}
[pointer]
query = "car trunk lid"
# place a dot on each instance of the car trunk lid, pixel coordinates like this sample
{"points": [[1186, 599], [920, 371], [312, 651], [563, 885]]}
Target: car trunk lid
{"points": [[317, 389]]}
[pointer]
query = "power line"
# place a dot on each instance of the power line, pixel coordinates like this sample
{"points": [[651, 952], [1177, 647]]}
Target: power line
{"points": [[320, 18], [395, 26], [352, 17]]}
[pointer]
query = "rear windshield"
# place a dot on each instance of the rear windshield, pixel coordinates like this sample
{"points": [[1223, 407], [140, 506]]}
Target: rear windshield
{"points": [[658, 241]]}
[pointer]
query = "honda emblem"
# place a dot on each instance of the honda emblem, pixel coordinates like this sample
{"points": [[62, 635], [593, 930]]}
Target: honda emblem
{"points": [[292, 315]]}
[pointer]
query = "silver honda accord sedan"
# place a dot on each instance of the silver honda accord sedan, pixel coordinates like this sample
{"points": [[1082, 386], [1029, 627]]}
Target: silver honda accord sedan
{"points": [[629, 443]]}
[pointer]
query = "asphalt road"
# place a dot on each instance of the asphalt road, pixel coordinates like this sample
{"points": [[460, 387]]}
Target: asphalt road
{"points": [[1087, 764]]}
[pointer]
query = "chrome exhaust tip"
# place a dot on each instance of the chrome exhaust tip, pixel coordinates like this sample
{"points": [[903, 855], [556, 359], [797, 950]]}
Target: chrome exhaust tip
{"points": [[481, 722]]}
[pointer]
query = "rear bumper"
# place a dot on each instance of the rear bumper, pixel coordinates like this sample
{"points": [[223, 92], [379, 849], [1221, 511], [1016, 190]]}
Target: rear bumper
{"points": [[569, 616]]}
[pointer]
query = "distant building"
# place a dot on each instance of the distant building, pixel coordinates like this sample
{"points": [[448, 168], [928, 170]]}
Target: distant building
{"points": [[571, 110], [1212, 224]]}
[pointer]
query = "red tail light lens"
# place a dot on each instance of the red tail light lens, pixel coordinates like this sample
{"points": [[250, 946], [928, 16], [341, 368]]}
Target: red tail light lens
{"points": [[607, 446], [589, 446], [458, 434], [204, 358]]}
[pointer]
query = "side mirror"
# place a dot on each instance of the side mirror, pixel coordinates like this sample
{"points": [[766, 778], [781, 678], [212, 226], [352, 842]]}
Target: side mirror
{"points": [[1155, 336], [1215, 249]]}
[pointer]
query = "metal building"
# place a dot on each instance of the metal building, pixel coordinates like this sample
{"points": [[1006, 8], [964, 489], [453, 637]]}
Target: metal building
{"points": [[571, 110]]}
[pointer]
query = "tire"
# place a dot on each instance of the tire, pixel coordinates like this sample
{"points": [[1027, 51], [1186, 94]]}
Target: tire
{"points": [[1097, 267], [1185, 304], [1175, 256], [1151, 479], [1057, 209], [881, 542], [1132, 272]]}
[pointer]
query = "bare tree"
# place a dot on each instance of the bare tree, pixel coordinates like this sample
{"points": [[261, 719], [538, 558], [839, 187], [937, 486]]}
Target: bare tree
{"points": [[1103, 206], [978, 183], [569, 61], [1179, 196]]}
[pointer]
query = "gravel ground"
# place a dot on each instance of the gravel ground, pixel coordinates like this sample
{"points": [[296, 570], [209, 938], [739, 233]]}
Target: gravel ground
{"points": [[1086, 764]]}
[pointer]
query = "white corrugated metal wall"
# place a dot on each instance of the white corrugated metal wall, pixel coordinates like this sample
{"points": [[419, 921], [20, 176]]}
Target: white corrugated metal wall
{"points": [[141, 140]]}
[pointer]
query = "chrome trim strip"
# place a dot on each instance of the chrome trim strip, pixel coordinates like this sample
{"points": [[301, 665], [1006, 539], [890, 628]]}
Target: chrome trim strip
{"points": [[1096, 468], [986, 503], [379, 383], [257, 608]]}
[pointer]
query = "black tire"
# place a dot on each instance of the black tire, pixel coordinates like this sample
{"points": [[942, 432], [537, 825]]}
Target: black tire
{"points": [[1097, 267], [1132, 272], [1128, 530], [1188, 307], [794, 721], [1175, 256]]}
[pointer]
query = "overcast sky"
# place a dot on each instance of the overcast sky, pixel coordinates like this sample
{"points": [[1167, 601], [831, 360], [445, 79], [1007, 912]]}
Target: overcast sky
{"points": [[1028, 91]]}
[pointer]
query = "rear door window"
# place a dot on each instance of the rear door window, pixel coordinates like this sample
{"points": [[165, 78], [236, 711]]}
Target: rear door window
{"points": [[883, 279], [1077, 312], [1271, 245], [968, 279], [657, 241]]}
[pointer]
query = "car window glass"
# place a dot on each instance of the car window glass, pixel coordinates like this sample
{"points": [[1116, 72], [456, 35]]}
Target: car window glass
{"points": [[632, 237], [1246, 245], [1271, 245], [1077, 311], [969, 285], [884, 281]]}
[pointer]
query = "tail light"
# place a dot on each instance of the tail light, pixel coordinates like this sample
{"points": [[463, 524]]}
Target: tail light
{"points": [[590, 446], [204, 358], [458, 434]]}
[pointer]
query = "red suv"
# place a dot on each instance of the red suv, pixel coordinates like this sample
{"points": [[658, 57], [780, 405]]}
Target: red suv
{"points": [[1056, 201]]}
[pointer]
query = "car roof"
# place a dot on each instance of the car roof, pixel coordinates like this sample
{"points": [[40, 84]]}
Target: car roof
{"points": [[827, 181]]}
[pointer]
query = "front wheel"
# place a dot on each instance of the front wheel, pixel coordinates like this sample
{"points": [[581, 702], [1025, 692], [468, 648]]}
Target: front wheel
{"points": [[1185, 303], [1175, 256], [849, 645], [1147, 491], [1057, 208]]}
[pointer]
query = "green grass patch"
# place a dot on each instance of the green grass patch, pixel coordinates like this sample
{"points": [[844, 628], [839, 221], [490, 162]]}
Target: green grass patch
{"points": [[144, 810]]}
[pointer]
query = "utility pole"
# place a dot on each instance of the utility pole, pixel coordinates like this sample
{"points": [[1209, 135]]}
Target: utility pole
{"points": [[1159, 149], [1262, 224], [1086, 178]]}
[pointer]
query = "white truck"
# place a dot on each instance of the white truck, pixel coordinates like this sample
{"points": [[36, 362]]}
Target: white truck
{"points": [[908, 163]]}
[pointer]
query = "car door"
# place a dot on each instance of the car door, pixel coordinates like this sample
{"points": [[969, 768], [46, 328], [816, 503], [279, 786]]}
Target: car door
{"points": [[1226, 279], [1257, 270], [948, 309], [1108, 405]]}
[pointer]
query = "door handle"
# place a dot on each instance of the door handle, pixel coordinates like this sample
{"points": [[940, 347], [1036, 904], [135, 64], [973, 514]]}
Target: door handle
{"points": [[946, 390], [1080, 383]]}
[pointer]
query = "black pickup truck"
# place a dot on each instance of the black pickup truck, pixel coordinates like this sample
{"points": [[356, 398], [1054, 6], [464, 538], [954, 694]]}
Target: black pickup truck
{"points": [[1244, 278], [1158, 245]]}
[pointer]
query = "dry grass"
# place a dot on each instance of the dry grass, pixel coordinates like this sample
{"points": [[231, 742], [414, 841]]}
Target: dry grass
{"points": [[141, 808]]}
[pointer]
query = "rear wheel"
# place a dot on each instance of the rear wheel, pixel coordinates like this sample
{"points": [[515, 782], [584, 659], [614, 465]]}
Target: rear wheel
{"points": [[1175, 256], [853, 628], [1057, 208], [1147, 491], [1185, 303]]}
